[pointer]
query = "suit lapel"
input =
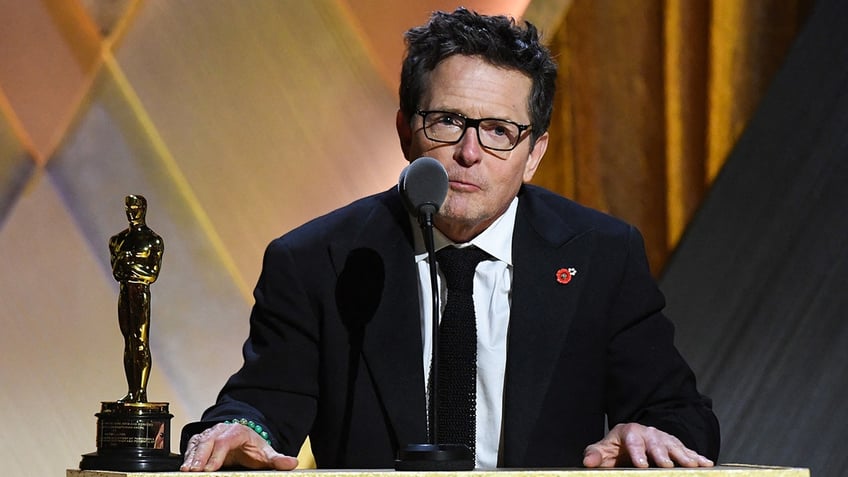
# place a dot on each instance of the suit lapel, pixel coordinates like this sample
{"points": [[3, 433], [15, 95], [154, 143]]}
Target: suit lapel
{"points": [[391, 345], [541, 312]]}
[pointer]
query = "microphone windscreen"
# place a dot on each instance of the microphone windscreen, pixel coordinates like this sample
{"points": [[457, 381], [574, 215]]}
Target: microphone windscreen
{"points": [[424, 183]]}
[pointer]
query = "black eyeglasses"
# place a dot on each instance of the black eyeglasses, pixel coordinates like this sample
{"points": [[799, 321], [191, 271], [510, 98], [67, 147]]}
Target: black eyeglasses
{"points": [[495, 134]]}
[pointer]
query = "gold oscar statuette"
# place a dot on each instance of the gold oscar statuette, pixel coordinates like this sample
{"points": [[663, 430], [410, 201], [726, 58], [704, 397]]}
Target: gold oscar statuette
{"points": [[133, 435]]}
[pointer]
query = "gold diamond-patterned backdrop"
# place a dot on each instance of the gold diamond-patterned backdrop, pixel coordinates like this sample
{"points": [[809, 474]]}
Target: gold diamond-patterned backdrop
{"points": [[238, 120]]}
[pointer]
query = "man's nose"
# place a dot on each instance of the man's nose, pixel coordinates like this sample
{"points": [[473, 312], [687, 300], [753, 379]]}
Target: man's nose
{"points": [[469, 151]]}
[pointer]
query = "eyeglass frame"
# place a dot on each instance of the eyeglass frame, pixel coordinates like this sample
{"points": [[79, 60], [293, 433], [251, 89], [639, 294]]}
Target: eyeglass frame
{"points": [[475, 123]]}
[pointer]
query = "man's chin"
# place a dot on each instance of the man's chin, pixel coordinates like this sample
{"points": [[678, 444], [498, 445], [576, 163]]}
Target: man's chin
{"points": [[460, 227]]}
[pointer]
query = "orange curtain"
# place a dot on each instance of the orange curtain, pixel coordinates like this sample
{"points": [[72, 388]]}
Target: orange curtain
{"points": [[652, 96]]}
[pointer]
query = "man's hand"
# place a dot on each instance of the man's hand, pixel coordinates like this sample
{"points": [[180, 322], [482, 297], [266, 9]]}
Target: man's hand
{"points": [[232, 444], [636, 445]]}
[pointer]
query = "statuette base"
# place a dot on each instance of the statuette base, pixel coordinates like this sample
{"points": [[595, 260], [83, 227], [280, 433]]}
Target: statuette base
{"points": [[133, 437]]}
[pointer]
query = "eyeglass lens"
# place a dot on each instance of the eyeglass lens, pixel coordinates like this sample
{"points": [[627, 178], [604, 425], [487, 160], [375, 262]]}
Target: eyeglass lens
{"points": [[450, 127]]}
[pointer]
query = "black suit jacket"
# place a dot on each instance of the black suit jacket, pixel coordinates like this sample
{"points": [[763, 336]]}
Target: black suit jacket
{"points": [[335, 346]]}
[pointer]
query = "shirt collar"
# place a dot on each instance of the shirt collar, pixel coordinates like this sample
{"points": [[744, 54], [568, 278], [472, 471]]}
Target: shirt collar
{"points": [[496, 240]]}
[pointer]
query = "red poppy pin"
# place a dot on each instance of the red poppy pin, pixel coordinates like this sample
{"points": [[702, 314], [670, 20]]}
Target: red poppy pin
{"points": [[564, 275]]}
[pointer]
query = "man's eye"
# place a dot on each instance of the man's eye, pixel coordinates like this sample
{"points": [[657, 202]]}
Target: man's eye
{"points": [[449, 120], [498, 130]]}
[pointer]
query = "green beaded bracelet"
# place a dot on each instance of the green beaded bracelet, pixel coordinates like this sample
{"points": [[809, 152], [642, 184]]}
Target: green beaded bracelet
{"points": [[256, 427]]}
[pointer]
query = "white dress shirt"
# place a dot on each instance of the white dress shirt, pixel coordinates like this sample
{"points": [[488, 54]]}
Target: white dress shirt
{"points": [[492, 287]]}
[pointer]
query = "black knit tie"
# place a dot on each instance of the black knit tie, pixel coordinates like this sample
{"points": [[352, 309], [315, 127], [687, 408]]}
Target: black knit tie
{"points": [[457, 365]]}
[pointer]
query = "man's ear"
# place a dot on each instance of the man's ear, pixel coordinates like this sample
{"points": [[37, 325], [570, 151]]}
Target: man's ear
{"points": [[535, 157], [404, 133]]}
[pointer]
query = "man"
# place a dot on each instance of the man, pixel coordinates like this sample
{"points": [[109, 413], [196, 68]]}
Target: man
{"points": [[136, 257], [569, 326]]}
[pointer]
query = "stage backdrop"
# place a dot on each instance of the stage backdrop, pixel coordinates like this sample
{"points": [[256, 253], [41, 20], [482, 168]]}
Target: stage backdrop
{"points": [[757, 287]]}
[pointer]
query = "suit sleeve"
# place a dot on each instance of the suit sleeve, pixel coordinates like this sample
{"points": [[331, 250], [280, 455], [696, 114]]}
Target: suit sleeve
{"points": [[648, 380], [277, 386]]}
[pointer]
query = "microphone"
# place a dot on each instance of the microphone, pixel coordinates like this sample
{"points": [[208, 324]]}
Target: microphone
{"points": [[423, 184]]}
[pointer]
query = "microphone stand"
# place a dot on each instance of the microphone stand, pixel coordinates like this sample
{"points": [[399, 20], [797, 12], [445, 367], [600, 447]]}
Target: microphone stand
{"points": [[433, 456]]}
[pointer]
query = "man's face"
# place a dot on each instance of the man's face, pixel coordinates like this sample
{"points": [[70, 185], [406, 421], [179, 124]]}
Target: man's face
{"points": [[483, 182]]}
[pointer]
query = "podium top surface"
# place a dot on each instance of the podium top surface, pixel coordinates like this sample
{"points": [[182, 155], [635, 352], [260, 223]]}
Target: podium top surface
{"points": [[725, 470]]}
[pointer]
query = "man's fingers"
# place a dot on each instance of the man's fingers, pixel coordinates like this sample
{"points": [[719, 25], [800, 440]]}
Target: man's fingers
{"points": [[636, 448], [636, 445], [219, 450], [659, 454], [601, 454], [658, 445], [283, 462], [592, 457], [202, 447], [685, 457], [196, 456], [667, 451], [191, 448]]}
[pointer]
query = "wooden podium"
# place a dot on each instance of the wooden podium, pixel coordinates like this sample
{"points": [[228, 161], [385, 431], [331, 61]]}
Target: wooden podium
{"points": [[726, 470]]}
